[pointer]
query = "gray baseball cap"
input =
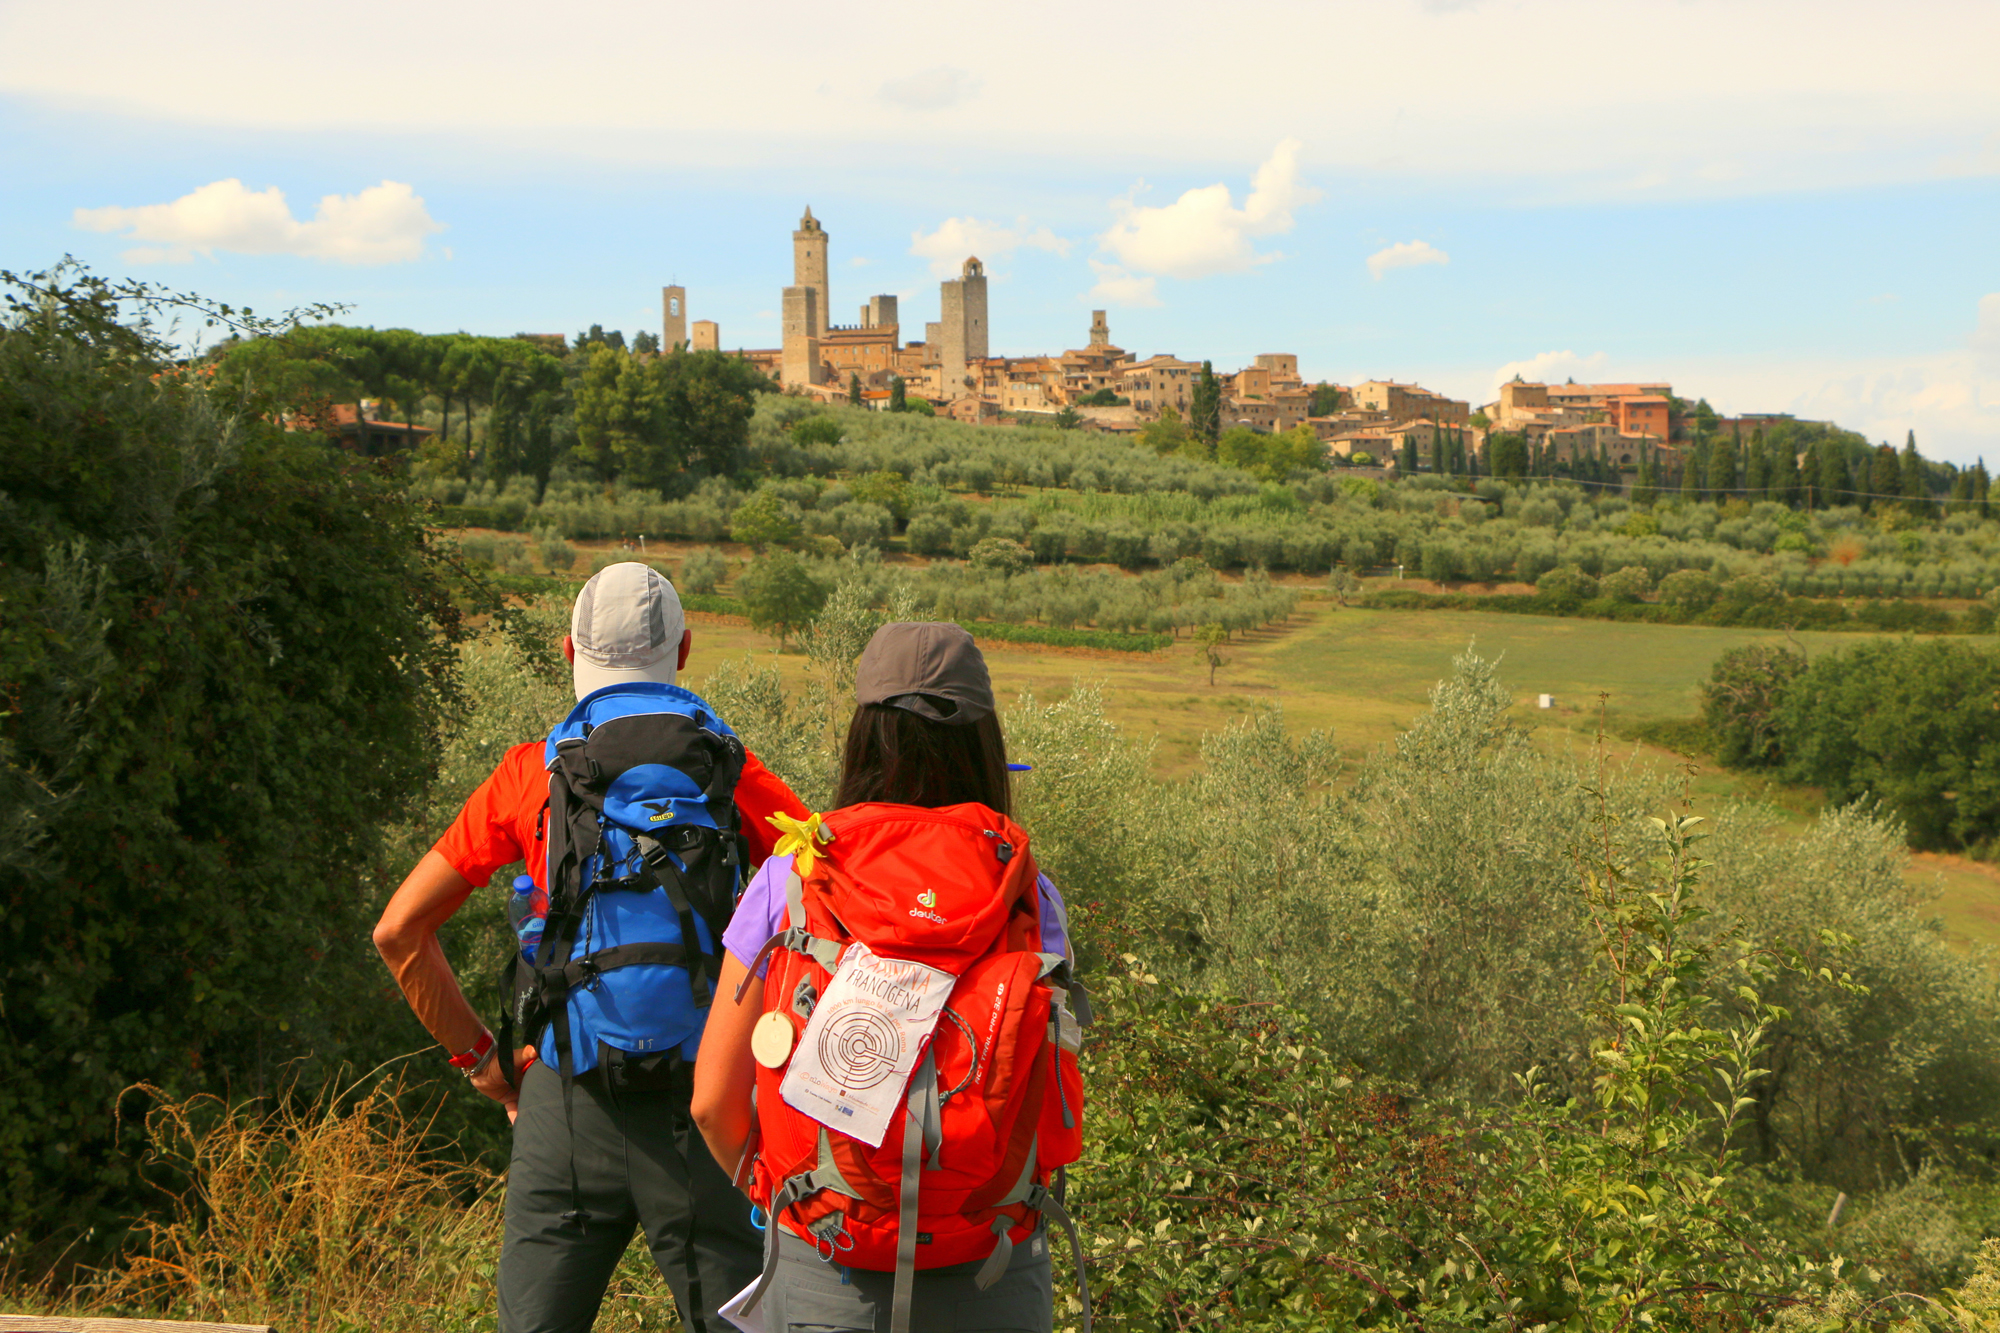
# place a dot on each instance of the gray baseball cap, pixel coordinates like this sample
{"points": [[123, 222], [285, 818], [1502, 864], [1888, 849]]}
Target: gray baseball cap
{"points": [[627, 625], [931, 668]]}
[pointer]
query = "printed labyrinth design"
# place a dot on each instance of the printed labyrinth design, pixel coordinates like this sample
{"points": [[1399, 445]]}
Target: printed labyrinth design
{"points": [[860, 1046]]}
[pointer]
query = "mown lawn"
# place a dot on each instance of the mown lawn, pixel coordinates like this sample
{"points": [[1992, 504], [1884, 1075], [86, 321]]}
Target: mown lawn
{"points": [[1364, 674]]}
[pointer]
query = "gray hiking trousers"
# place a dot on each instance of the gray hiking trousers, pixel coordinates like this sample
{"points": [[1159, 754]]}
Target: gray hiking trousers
{"points": [[811, 1295], [640, 1161]]}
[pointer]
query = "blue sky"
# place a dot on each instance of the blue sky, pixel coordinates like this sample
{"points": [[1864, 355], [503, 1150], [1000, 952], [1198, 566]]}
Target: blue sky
{"points": [[1782, 206]]}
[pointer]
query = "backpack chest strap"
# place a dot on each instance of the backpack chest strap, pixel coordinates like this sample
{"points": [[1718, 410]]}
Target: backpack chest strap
{"points": [[558, 982], [798, 939]]}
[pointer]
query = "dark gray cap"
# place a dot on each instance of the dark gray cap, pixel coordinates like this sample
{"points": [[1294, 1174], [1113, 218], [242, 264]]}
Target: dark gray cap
{"points": [[931, 668]]}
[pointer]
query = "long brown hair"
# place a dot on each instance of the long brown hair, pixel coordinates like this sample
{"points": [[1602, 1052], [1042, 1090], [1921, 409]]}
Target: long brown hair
{"points": [[898, 756]]}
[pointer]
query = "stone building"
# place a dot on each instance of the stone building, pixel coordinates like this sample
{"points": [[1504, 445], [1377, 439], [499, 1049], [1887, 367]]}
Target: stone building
{"points": [[707, 336], [1410, 402], [1158, 382]]}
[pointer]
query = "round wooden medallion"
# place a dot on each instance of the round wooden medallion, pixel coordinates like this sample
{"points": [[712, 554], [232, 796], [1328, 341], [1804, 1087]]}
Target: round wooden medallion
{"points": [[771, 1040]]}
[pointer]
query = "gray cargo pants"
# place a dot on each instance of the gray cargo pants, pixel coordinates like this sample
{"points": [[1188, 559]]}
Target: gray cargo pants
{"points": [[639, 1161]]}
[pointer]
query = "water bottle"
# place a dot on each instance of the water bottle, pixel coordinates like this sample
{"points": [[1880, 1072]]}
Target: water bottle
{"points": [[528, 912]]}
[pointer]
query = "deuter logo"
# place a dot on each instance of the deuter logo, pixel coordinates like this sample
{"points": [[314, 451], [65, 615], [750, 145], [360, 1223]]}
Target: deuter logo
{"points": [[928, 898]]}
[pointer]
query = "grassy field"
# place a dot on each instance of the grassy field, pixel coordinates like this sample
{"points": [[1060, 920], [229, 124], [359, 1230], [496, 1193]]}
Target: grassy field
{"points": [[1364, 674]]}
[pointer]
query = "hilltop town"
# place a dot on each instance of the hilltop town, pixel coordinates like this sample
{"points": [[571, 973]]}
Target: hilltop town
{"points": [[1102, 386]]}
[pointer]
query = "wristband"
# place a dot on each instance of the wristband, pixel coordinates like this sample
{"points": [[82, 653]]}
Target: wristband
{"points": [[470, 1060]]}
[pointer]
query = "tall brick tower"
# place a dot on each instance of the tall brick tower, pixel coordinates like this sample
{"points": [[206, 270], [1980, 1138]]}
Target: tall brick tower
{"points": [[809, 266], [801, 356], [673, 317], [1100, 329], [962, 335]]}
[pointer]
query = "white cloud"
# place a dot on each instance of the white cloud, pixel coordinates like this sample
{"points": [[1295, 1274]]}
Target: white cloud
{"points": [[1405, 254], [384, 224], [1203, 232], [1548, 367], [931, 89], [959, 239], [1868, 93], [1117, 287], [859, 261], [1986, 332]]}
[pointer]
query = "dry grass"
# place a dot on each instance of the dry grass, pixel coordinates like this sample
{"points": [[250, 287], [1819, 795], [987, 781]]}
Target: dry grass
{"points": [[321, 1216]]}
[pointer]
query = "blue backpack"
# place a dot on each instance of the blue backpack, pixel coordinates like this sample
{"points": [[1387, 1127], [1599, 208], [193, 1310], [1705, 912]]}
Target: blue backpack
{"points": [[645, 860]]}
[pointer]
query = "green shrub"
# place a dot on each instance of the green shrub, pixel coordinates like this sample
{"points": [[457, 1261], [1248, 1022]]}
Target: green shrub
{"points": [[702, 571], [1566, 585], [1740, 699], [780, 594], [1630, 584], [226, 659], [1911, 723], [1001, 556], [817, 430], [1687, 587], [767, 519]]}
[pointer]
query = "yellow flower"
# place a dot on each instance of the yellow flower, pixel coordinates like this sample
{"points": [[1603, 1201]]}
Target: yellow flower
{"points": [[800, 840]]}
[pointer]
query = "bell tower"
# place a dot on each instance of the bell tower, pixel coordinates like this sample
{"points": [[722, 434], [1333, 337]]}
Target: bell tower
{"points": [[809, 267]]}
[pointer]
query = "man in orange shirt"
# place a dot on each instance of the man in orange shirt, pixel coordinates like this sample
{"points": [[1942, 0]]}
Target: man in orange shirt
{"points": [[609, 1145]]}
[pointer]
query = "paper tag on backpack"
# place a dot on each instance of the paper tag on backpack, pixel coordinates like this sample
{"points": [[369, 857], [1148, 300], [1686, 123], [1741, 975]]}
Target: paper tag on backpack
{"points": [[853, 1062]]}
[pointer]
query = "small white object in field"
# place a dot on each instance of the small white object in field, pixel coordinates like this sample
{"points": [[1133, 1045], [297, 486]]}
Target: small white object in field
{"points": [[1546, 701]]}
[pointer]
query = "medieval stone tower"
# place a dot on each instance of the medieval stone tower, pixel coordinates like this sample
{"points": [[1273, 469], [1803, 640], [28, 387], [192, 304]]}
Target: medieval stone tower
{"points": [[673, 317], [809, 266], [802, 317], [1100, 329], [962, 328]]}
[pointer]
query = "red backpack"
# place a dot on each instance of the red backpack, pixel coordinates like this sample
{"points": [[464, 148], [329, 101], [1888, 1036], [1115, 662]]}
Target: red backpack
{"points": [[995, 1104]]}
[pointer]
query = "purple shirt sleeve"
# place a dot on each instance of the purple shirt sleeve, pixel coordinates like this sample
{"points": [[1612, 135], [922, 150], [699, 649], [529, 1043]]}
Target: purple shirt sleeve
{"points": [[760, 912], [1055, 919]]}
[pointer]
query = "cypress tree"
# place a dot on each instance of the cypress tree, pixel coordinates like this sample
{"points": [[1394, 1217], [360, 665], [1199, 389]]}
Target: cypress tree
{"points": [[1722, 468], [1756, 468], [1836, 484], [1644, 489], [854, 388], [1782, 465], [1916, 486], [1885, 475], [1205, 407], [1979, 483]]}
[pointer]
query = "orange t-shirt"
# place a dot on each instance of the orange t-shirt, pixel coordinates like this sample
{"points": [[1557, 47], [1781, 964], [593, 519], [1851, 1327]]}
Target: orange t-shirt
{"points": [[502, 821]]}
